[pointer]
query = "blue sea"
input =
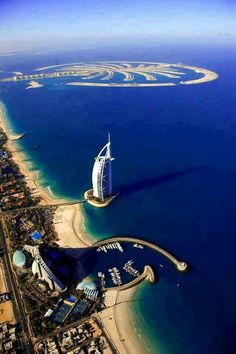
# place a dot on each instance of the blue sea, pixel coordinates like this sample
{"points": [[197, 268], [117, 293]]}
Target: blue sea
{"points": [[175, 167]]}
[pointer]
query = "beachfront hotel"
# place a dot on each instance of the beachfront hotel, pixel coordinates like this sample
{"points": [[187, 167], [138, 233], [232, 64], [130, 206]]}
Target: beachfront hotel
{"points": [[41, 269], [102, 193], [102, 173]]}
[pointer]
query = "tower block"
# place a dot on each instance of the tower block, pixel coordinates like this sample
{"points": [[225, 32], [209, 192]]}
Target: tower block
{"points": [[102, 193]]}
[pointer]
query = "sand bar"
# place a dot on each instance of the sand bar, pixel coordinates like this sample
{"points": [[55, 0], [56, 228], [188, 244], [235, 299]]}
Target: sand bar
{"points": [[79, 83], [33, 84], [17, 72]]}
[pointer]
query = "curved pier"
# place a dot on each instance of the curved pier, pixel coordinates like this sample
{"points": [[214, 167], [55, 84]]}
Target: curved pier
{"points": [[181, 266], [147, 274]]}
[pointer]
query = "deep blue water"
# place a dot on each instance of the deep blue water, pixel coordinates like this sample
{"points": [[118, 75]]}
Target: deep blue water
{"points": [[175, 167]]}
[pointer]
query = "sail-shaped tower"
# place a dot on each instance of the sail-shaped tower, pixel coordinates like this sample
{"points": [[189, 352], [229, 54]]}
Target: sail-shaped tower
{"points": [[102, 192], [102, 173]]}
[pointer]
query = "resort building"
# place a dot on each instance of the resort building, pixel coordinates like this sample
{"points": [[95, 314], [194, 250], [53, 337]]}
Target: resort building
{"points": [[102, 193], [40, 268], [102, 173]]}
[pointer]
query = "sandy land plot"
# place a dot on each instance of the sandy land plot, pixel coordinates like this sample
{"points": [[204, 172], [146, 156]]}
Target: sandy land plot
{"points": [[6, 312], [3, 285]]}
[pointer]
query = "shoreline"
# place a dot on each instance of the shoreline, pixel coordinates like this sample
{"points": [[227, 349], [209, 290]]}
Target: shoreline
{"points": [[81, 238], [118, 319], [19, 159], [69, 225]]}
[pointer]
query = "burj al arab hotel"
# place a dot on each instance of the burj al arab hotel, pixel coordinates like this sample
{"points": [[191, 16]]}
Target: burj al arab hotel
{"points": [[102, 193]]}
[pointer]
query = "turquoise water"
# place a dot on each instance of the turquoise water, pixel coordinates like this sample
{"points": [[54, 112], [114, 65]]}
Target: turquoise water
{"points": [[175, 168]]}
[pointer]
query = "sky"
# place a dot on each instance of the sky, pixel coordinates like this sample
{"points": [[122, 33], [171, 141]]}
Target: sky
{"points": [[35, 24]]}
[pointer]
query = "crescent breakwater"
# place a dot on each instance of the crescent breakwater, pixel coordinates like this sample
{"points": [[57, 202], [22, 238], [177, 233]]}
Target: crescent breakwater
{"points": [[147, 274], [79, 83], [180, 265]]}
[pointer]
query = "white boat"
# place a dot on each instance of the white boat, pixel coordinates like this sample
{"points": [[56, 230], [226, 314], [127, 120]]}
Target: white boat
{"points": [[138, 246], [119, 247]]}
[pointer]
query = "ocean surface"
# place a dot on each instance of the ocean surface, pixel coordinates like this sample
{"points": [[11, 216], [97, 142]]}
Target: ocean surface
{"points": [[175, 168]]}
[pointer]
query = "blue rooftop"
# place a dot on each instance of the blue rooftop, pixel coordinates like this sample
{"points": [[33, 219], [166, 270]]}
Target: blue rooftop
{"points": [[71, 299], [36, 235]]}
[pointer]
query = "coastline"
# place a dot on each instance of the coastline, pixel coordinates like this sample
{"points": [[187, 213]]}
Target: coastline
{"points": [[69, 225], [71, 219], [118, 319], [19, 159]]}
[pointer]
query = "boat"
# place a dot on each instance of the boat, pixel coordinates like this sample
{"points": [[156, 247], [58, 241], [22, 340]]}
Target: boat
{"points": [[138, 246]]}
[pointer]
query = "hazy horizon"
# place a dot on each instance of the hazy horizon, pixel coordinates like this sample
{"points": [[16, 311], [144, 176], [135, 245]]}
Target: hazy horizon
{"points": [[41, 25]]}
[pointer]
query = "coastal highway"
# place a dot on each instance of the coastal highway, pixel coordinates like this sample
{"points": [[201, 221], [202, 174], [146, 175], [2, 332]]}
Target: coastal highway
{"points": [[42, 206], [12, 285]]}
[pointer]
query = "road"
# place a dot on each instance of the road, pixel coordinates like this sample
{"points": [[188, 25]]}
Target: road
{"points": [[13, 286], [42, 206]]}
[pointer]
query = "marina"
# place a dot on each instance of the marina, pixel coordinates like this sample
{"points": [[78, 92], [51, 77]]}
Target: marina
{"points": [[110, 246], [115, 275], [128, 267]]}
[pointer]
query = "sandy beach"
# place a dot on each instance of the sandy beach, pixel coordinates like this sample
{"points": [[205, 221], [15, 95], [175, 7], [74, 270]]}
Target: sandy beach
{"points": [[69, 225], [20, 160], [119, 324]]}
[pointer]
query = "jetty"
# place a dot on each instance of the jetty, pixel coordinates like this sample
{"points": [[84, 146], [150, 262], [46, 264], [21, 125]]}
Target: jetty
{"points": [[180, 265], [148, 274]]}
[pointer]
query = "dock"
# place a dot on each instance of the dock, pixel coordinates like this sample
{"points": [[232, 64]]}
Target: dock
{"points": [[181, 266]]}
